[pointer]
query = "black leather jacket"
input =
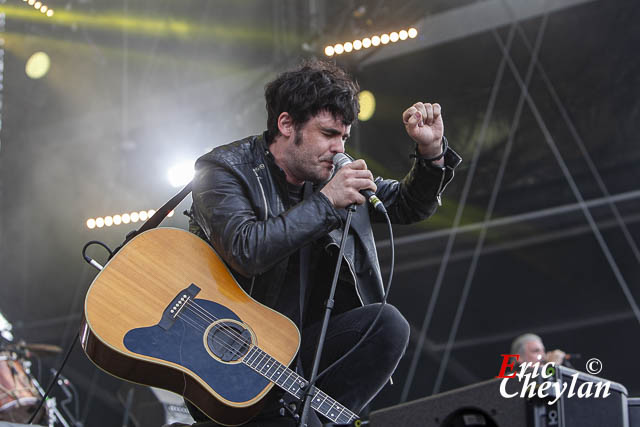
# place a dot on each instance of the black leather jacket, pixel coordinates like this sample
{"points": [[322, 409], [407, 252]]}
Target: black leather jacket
{"points": [[238, 204]]}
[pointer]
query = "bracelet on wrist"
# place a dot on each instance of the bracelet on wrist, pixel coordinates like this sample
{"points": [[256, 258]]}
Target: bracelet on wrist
{"points": [[417, 155]]}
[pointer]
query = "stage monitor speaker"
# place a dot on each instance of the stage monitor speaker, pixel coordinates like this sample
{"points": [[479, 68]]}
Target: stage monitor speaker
{"points": [[592, 411], [634, 411], [476, 405]]}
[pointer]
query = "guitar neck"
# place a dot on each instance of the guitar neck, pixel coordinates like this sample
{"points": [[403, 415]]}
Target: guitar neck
{"points": [[294, 384]]}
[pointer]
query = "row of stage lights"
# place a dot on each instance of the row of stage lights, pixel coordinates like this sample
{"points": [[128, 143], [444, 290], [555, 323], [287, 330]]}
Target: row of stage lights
{"points": [[37, 4], [124, 218], [367, 42]]}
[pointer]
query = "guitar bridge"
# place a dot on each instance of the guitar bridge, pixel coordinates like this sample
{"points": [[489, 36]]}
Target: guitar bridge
{"points": [[176, 305]]}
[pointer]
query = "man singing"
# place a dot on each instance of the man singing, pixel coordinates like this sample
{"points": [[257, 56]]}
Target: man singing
{"points": [[273, 207]]}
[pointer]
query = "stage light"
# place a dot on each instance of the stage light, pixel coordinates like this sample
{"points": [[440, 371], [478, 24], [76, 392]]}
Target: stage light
{"points": [[181, 174], [31, 2], [125, 218], [44, 8], [367, 42], [37, 65], [367, 105], [37, 5], [50, 12]]}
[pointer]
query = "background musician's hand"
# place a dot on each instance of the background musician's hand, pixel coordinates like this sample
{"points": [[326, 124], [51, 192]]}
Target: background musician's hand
{"points": [[555, 356]]}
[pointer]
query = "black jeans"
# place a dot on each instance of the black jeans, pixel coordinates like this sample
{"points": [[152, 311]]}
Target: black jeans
{"points": [[356, 380]]}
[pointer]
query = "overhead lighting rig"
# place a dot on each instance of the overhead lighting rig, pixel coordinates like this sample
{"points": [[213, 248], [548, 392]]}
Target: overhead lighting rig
{"points": [[373, 41], [119, 219], [38, 5]]}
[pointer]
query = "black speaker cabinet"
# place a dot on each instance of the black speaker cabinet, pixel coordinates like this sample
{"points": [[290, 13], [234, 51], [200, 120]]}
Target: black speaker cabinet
{"points": [[634, 411], [476, 405], [592, 411], [482, 405]]}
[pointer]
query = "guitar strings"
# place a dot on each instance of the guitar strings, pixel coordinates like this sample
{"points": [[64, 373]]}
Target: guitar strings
{"points": [[193, 322], [344, 411], [205, 315]]}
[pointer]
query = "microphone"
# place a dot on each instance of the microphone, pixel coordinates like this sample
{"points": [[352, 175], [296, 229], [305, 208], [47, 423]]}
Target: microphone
{"points": [[341, 159]]}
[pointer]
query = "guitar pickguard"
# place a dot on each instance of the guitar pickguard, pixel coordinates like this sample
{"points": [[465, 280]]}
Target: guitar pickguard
{"points": [[183, 344]]}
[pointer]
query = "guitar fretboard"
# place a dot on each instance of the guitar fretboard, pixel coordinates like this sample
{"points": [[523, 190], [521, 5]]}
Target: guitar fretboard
{"points": [[294, 384]]}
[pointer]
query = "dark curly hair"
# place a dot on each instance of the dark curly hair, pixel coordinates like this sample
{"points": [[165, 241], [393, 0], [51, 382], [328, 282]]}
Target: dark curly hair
{"points": [[313, 87]]}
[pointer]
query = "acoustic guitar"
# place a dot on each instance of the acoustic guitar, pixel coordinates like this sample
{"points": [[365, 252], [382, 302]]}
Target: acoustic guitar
{"points": [[166, 312]]}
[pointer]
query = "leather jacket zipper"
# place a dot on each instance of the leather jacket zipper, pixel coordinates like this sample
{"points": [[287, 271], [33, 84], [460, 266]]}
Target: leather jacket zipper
{"points": [[264, 198]]}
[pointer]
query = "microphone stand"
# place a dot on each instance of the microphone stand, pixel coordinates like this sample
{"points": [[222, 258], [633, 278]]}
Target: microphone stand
{"points": [[325, 321]]}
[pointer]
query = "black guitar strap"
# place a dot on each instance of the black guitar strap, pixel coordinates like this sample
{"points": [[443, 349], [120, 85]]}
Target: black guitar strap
{"points": [[157, 217]]}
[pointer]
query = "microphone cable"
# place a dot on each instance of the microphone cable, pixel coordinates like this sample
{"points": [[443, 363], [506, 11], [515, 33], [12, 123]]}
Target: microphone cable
{"points": [[382, 304]]}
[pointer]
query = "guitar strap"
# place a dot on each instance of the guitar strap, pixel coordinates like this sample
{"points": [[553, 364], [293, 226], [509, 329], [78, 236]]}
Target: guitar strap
{"points": [[157, 217]]}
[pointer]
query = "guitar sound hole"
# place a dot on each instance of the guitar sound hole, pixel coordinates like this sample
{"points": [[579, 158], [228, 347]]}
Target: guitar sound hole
{"points": [[228, 340]]}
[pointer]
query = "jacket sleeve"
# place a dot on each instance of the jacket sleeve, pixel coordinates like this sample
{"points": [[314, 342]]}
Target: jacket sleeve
{"points": [[418, 194], [249, 244]]}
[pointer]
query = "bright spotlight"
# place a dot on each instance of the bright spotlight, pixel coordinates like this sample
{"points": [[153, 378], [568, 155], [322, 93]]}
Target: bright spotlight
{"points": [[329, 51], [108, 221], [150, 212], [403, 35], [357, 44], [31, 2], [91, 223], [117, 219], [181, 174], [134, 216], [37, 65], [50, 12], [348, 47], [170, 214], [339, 49], [99, 222], [37, 5], [412, 33], [126, 219], [375, 41], [366, 42], [384, 39], [394, 37], [143, 215], [44, 8]]}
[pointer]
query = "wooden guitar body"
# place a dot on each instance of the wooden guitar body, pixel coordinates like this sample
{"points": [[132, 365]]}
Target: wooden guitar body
{"points": [[198, 350]]}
